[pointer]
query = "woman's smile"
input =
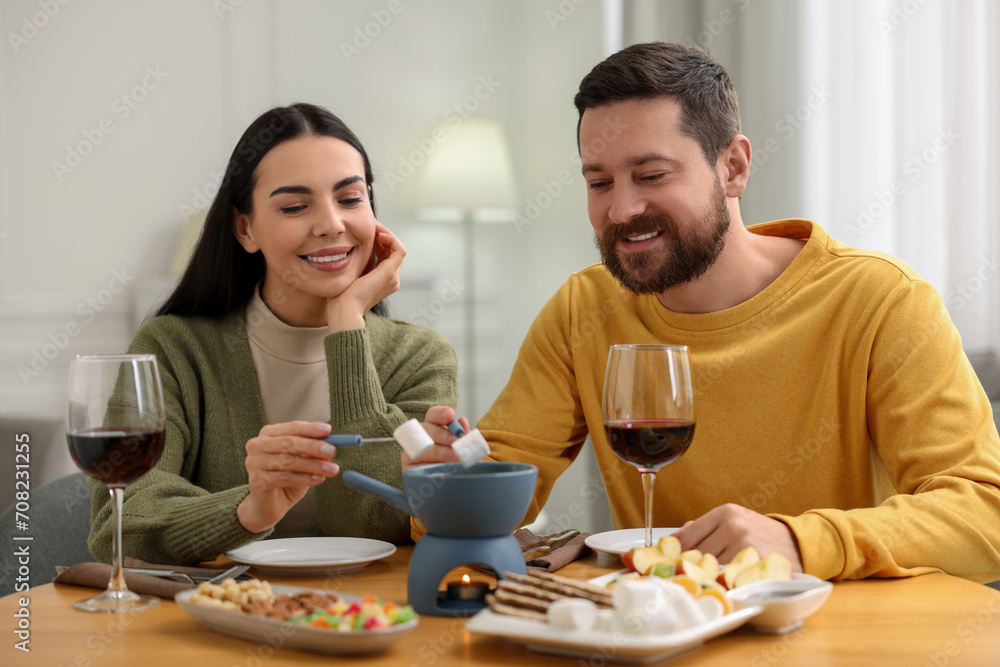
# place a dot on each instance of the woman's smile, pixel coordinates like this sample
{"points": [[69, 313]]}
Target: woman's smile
{"points": [[330, 259]]}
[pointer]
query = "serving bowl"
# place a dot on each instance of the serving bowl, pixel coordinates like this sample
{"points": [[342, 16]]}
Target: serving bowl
{"points": [[785, 604]]}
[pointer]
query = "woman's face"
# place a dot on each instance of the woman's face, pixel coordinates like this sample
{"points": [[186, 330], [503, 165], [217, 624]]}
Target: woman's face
{"points": [[313, 222]]}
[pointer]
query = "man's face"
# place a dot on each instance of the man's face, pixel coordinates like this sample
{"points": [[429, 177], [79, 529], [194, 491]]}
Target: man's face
{"points": [[658, 209]]}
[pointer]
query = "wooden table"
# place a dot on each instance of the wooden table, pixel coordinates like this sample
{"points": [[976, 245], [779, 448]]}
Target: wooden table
{"points": [[932, 620]]}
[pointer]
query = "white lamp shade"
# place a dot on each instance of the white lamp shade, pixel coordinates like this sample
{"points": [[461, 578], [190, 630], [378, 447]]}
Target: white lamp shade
{"points": [[468, 172], [189, 237]]}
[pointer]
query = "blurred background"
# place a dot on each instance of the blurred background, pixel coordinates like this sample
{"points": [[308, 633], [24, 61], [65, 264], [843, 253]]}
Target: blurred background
{"points": [[876, 118]]}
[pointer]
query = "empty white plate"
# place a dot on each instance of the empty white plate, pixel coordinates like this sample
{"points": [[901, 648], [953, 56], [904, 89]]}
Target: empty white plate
{"points": [[617, 542], [312, 555]]}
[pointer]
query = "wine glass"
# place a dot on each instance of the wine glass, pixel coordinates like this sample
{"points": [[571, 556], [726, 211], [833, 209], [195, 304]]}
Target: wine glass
{"points": [[115, 428], [648, 410]]}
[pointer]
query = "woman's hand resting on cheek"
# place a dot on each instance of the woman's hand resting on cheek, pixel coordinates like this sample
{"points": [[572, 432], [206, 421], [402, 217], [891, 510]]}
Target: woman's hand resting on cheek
{"points": [[436, 424], [282, 463], [346, 310]]}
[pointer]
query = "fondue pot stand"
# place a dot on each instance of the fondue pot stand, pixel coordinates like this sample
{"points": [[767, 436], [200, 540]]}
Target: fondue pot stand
{"points": [[469, 514]]}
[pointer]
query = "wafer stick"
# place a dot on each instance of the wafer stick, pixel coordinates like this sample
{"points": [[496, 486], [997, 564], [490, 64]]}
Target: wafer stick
{"points": [[525, 589], [510, 610], [565, 586], [523, 601]]}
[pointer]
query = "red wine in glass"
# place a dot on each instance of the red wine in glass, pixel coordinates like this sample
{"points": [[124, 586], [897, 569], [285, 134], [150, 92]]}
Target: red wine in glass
{"points": [[648, 407], [115, 424], [116, 457], [650, 443]]}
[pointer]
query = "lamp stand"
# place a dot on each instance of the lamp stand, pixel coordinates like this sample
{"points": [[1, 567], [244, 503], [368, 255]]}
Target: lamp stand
{"points": [[471, 374]]}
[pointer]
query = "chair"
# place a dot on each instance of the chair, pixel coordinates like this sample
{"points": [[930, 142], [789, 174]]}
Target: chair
{"points": [[58, 522]]}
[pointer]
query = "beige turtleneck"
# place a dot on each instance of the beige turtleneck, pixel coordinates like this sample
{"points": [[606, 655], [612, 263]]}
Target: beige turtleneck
{"points": [[294, 384]]}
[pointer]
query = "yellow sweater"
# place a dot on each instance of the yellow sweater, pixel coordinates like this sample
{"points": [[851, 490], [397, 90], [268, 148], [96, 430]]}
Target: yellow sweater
{"points": [[838, 400]]}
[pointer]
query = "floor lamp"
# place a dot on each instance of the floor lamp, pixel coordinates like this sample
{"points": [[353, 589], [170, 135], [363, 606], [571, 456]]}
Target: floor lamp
{"points": [[468, 179]]}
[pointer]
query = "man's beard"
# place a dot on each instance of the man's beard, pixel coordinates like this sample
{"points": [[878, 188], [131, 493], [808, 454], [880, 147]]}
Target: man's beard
{"points": [[685, 259]]}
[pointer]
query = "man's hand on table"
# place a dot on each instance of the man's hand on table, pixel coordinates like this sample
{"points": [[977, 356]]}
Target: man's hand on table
{"points": [[728, 529], [436, 424]]}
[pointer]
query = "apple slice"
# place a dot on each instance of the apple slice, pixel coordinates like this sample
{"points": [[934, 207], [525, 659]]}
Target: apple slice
{"points": [[746, 557], [691, 569], [627, 560], [670, 547], [709, 566], [740, 562], [774, 566], [692, 555], [644, 559]]}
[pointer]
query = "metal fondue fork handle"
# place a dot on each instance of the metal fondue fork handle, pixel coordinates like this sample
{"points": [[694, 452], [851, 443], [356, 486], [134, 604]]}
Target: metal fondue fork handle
{"points": [[346, 440], [551, 540], [343, 440]]}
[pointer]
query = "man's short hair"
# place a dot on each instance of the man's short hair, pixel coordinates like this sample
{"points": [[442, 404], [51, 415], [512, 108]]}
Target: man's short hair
{"points": [[710, 112]]}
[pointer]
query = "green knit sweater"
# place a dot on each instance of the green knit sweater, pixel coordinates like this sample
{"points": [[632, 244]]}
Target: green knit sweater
{"points": [[184, 510]]}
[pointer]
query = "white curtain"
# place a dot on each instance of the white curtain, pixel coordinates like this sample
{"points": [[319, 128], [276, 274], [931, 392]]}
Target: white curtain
{"points": [[875, 118]]}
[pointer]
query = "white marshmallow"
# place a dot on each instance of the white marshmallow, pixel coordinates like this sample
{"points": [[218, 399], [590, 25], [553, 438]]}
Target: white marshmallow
{"points": [[412, 437], [654, 606], [471, 448], [573, 614]]}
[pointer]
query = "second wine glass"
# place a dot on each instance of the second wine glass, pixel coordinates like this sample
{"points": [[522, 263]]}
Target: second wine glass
{"points": [[648, 410]]}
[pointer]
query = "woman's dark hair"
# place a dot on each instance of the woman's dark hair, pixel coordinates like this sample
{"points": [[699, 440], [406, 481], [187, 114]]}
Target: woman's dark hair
{"points": [[710, 111], [221, 275]]}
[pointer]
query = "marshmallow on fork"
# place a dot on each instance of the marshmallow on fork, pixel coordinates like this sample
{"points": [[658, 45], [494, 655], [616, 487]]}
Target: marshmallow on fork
{"points": [[470, 447], [414, 440]]}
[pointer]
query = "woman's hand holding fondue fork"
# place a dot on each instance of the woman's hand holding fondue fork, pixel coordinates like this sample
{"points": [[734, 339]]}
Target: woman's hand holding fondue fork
{"points": [[439, 424]]}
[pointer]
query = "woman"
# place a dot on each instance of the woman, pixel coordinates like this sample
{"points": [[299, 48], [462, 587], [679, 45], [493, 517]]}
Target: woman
{"points": [[273, 339]]}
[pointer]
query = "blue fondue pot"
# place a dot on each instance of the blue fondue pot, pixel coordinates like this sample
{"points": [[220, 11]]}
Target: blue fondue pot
{"points": [[469, 514]]}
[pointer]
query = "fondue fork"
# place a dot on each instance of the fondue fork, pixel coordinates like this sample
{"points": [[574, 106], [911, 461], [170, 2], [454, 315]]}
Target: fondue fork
{"points": [[348, 440], [547, 546]]}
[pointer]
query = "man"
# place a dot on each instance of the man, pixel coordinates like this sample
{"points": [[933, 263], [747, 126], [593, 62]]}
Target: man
{"points": [[838, 419]]}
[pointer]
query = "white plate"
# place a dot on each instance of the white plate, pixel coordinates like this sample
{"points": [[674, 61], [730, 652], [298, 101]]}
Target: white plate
{"points": [[617, 542], [279, 634], [600, 646], [312, 555], [784, 605]]}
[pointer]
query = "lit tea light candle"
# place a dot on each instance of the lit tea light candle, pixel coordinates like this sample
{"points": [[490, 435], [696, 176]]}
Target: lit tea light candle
{"points": [[466, 589]]}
